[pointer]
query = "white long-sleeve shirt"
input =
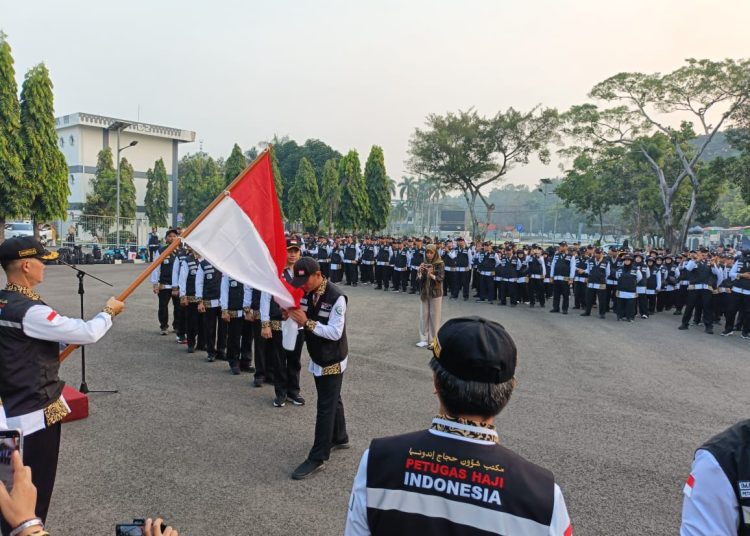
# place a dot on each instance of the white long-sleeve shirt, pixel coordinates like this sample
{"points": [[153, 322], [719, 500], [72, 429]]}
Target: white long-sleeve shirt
{"points": [[224, 293], [332, 331], [44, 323], [709, 505]]}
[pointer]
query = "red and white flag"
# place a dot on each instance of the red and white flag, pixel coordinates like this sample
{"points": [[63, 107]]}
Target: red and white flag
{"points": [[243, 236]]}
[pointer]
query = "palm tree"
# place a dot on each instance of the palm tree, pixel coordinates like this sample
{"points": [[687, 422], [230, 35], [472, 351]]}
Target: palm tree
{"points": [[391, 187], [407, 188]]}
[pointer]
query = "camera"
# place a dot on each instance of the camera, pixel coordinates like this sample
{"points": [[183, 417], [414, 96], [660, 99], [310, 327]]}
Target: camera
{"points": [[133, 529]]}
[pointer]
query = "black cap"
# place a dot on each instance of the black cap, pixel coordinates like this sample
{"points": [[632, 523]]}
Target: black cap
{"points": [[598, 250], [24, 247], [175, 231], [292, 243], [303, 269], [476, 349], [563, 243]]}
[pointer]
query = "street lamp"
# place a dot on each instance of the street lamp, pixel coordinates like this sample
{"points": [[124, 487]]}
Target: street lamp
{"points": [[545, 183], [119, 126]]}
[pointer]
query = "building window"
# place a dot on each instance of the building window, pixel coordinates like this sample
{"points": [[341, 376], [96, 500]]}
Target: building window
{"points": [[71, 140], [62, 141]]}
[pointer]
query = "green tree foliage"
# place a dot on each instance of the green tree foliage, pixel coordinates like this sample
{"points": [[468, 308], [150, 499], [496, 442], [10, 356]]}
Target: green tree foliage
{"points": [[101, 199], [157, 195], [354, 209], [378, 190], [14, 186], [330, 193], [466, 151], [234, 165], [127, 190], [303, 197], [289, 154], [278, 181], [201, 180], [44, 163]]}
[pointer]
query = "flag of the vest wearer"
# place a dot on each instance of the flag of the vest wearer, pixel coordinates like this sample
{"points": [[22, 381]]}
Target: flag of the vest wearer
{"points": [[243, 236]]}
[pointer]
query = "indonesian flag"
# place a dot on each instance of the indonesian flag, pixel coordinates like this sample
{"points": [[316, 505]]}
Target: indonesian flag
{"points": [[688, 488], [243, 236]]}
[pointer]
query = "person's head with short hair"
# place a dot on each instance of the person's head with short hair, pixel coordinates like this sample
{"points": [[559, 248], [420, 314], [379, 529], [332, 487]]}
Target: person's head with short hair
{"points": [[171, 235], [473, 365], [306, 274], [292, 251]]}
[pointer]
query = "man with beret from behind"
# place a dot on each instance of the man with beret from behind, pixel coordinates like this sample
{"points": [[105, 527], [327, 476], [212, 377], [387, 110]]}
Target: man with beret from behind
{"points": [[455, 477]]}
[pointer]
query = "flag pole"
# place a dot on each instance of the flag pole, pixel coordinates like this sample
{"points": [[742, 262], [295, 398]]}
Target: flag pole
{"points": [[168, 251]]}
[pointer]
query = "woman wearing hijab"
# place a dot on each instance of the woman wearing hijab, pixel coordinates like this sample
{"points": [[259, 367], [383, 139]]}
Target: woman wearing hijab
{"points": [[431, 275]]}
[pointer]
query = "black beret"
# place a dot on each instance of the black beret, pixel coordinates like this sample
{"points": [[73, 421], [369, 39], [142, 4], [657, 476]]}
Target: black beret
{"points": [[476, 349]]}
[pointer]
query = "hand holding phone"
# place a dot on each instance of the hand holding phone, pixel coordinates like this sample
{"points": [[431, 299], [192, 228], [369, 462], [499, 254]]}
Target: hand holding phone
{"points": [[19, 505]]}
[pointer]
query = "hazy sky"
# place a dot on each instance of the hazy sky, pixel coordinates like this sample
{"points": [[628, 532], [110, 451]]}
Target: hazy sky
{"points": [[352, 73]]}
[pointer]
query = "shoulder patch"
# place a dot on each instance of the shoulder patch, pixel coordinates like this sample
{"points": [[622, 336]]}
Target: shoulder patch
{"points": [[339, 310], [51, 316]]}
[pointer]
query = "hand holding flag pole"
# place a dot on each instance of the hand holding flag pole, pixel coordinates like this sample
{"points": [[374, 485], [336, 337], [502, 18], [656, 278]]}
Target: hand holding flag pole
{"points": [[240, 233]]}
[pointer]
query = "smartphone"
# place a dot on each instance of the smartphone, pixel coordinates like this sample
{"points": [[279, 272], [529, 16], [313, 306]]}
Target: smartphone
{"points": [[134, 529], [10, 440]]}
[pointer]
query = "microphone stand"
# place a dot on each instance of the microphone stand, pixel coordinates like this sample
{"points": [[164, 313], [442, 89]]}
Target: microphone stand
{"points": [[80, 274]]}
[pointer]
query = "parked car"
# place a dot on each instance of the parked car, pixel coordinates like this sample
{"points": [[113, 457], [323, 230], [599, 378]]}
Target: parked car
{"points": [[15, 229]]}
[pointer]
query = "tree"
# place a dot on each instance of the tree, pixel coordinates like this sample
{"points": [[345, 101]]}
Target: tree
{"points": [[234, 165], [14, 185], [330, 193], [378, 189], [157, 195], [355, 205], [467, 152], [278, 181], [303, 196], [101, 199], [711, 94], [44, 164], [127, 190], [201, 180]]}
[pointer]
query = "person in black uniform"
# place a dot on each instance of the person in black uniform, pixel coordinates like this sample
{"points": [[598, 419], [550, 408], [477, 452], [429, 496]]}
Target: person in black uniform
{"points": [[161, 279], [699, 290], [352, 255], [455, 477], [367, 262], [153, 244], [462, 281], [323, 256], [614, 264], [400, 262], [383, 265], [235, 301], [415, 261], [208, 292], [486, 270], [563, 271], [740, 304], [30, 337], [189, 301], [449, 260], [597, 272], [322, 313], [337, 262], [537, 275]]}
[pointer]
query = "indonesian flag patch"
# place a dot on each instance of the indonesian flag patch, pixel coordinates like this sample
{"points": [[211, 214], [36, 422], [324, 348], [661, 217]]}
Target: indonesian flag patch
{"points": [[51, 316], [688, 489]]}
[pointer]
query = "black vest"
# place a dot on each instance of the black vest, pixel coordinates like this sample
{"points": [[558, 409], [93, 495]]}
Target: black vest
{"points": [[323, 254], [399, 258], [562, 264], [350, 252], [627, 280], [462, 258], [598, 271], [744, 268], [192, 267], [336, 257], [417, 257], [165, 268], [255, 300], [236, 295], [368, 253], [490, 477], [28, 367], [535, 265], [384, 254], [449, 261], [324, 352], [731, 448], [211, 281]]}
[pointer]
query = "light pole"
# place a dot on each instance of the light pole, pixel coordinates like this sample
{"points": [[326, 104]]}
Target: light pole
{"points": [[119, 126], [545, 184]]}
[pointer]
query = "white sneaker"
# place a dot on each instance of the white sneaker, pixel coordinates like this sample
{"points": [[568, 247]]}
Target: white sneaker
{"points": [[422, 344]]}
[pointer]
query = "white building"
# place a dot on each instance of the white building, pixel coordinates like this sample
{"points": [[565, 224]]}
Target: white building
{"points": [[81, 136]]}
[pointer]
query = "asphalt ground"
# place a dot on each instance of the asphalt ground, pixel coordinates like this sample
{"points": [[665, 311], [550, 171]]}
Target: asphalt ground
{"points": [[615, 410]]}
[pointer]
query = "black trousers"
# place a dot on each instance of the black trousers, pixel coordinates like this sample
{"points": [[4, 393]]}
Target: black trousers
{"points": [[400, 280], [265, 353], [288, 365], [626, 308], [560, 289], [651, 298], [351, 273], [366, 273], [698, 300], [330, 422], [153, 249], [192, 323], [448, 281], [739, 303], [414, 279], [461, 282], [664, 300], [486, 287], [536, 291], [381, 275], [234, 340], [40, 453], [642, 304], [165, 296], [325, 268], [336, 275], [508, 290], [579, 294], [680, 297], [215, 331], [600, 296]]}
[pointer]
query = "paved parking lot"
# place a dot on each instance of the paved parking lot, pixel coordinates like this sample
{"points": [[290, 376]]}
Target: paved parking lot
{"points": [[614, 410]]}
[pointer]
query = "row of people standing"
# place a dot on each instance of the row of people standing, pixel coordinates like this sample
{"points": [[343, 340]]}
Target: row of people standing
{"points": [[701, 287]]}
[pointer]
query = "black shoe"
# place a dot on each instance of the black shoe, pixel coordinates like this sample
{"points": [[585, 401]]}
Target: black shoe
{"points": [[727, 333], [164, 332], [211, 358], [348, 284], [235, 370], [585, 314], [354, 284], [602, 317], [412, 292], [221, 356], [307, 468], [745, 335], [565, 312], [201, 347], [258, 382], [191, 349], [677, 313], [466, 298], [279, 402], [709, 330], [296, 400], [554, 310], [683, 326], [341, 446], [531, 305]]}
